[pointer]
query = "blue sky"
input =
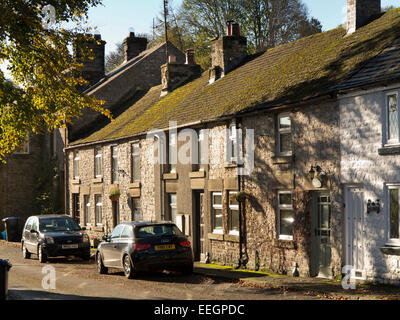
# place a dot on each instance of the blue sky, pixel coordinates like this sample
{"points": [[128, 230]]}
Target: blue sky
{"points": [[115, 18]]}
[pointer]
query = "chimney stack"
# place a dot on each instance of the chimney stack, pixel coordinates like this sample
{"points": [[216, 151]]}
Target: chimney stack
{"points": [[133, 46], [94, 67], [361, 12], [174, 74], [227, 52], [190, 56]]}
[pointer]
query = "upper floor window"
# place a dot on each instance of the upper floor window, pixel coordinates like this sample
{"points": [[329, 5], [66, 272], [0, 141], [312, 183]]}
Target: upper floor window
{"points": [[98, 156], [233, 140], [392, 110], [136, 174], [285, 215], [284, 135], [202, 156], [114, 164], [76, 165], [173, 152], [23, 148]]}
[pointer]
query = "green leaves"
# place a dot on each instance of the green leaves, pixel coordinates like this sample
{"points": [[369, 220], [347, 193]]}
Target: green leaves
{"points": [[45, 93]]}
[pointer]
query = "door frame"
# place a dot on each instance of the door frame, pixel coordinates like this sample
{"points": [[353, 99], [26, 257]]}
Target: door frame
{"points": [[198, 197], [315, 246], [358, 274]]}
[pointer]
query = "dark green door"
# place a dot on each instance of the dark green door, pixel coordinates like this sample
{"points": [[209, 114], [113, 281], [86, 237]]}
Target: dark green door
{"points": [[321, 234]]}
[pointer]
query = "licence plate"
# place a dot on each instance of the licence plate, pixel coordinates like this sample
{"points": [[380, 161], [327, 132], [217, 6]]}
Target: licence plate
{"points": [[165, 247], [70, 246]]}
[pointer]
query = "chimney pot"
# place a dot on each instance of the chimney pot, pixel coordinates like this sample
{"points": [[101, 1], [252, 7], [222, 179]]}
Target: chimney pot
{"points": [[172, 59], [233, 29], [190, 56]]}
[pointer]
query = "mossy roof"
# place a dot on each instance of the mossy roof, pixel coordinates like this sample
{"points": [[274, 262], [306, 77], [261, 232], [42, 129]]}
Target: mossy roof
{"points": [[298, 71]]}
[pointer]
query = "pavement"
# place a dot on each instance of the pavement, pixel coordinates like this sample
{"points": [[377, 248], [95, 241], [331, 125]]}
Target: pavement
{"points": [[271, 283]]}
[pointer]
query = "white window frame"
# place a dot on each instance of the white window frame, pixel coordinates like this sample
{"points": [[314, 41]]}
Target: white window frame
{"points": [[133, 155], [284, 207], [114, 155], [200, 156], [76, 164], [86, 212], [98, 204], [217, 207], [392, 142], [232, 207], [98, 155], [172, 149], [172, 205], [284, 131], [391, 186]]}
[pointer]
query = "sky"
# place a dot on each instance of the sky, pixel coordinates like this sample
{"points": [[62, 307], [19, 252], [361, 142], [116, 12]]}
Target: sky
{"points": [[115, 18]]}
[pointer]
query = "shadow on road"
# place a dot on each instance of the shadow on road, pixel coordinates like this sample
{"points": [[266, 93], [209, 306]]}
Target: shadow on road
{"points": [[44, 295]]}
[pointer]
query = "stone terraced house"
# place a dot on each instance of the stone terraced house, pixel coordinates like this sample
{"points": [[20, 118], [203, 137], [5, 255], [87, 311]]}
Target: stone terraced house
{"points": [[322, 114]]}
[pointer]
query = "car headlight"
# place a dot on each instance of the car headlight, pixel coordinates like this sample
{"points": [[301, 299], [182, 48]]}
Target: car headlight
{"points": [[85, 238], [49, 240]]}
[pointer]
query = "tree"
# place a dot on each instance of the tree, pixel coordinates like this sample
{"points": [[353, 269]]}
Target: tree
{"points": [[115, 58], [266, 23], [46, 77]]}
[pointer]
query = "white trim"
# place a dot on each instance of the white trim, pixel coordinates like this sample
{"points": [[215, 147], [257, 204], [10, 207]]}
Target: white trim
{"points": [[284, 207], [386, 140], [361, 92], [217, 207], [284, 131], [388, 187]]}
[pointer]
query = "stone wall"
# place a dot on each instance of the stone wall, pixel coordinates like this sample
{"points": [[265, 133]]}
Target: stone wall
{"points": [[362, 133], [90, 186], [17, 180]]}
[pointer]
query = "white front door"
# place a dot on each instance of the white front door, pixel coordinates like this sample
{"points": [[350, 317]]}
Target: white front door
{"points": [[354, 230]]}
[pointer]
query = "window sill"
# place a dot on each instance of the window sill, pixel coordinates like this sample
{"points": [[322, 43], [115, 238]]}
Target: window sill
{"points": [[232, 237], [170, 176], [282, 159], [216, 236], [391, 249], [97, 180], [285, 243], [135, 185], [197, 174], [76, 181], [388, 149]]}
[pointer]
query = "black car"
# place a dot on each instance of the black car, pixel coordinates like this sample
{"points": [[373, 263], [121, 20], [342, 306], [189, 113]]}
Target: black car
{"points": [[145, 246], [53, 236]]}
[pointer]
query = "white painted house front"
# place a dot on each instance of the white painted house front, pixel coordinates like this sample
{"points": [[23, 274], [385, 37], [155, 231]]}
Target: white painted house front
{"points": [[370, 175]]}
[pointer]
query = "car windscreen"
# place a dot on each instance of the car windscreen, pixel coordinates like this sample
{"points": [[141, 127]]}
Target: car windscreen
{"points": [[58, 224], [158, 231]]}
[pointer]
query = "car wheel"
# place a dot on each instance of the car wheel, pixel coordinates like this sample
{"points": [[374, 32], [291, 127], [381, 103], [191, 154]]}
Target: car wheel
{"points": [[25, 253], [41, 254], [129, 269], [100, 266]]}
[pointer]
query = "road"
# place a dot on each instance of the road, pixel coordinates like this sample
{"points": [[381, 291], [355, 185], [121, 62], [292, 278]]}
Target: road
{"points": [[78, 280]]}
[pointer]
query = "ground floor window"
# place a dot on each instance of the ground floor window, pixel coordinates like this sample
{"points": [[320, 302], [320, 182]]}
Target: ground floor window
{"points": [[394, 225], [86, 208], [172, 206], [217, 212], [233, 213], [285, 215], [99, 209], [136, 210]]}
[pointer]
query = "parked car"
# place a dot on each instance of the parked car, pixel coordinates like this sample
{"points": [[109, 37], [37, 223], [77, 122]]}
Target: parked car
{"points": [[53, 236], [145, 246]]}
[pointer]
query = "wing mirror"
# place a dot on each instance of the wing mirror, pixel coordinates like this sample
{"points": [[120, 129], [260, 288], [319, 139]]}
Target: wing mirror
{"points": [[83, 228], [106, 238]]}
